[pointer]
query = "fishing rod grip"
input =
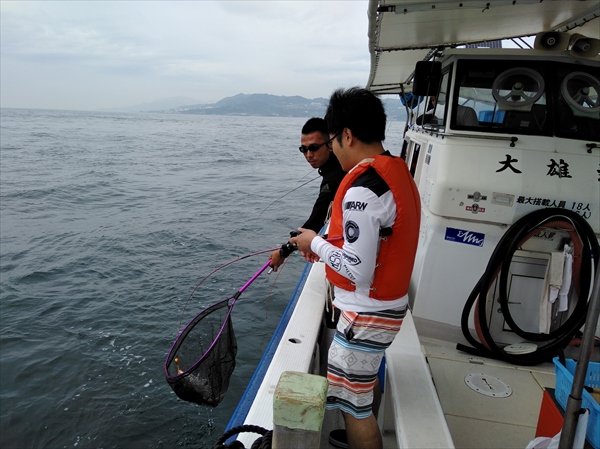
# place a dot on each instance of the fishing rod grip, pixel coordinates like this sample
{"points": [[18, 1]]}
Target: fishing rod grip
{"points": [[288, 248]]}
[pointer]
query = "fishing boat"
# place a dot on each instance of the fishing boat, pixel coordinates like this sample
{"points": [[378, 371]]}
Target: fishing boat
{"points": [[495, 137]]}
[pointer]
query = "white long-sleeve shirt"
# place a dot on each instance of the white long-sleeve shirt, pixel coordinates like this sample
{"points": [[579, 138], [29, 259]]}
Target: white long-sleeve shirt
{"points": [[368, 206]]}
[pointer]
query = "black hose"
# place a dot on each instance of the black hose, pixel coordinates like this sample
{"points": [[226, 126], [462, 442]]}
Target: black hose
{"points": [[522, 230], [262, 442]]}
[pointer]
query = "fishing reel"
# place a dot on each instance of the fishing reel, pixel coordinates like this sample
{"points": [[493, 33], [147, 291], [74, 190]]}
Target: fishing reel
{"points": [[289, 247]]}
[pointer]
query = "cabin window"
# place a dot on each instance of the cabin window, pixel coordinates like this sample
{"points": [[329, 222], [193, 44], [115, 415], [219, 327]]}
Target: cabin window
{"points": [[501, 96], [440, 110], [527, 97], [431, 111], [578, 108]]}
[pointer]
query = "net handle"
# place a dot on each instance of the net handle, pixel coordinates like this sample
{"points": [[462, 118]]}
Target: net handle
{"points": [[252, 279]]}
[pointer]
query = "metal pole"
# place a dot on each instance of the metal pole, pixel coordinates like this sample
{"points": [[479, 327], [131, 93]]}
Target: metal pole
{"points": [[587, 346]]}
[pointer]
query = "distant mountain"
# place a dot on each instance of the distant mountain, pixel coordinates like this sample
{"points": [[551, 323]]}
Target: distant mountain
{"points": [[260, 104], [255, 104], [275, 105]]}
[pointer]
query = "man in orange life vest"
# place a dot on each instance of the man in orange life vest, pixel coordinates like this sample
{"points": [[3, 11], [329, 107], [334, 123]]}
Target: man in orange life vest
{"points": [[373, 237]]}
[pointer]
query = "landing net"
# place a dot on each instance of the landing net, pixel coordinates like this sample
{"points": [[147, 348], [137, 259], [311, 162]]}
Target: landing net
{"points": [[210, 337], [202, 358]]}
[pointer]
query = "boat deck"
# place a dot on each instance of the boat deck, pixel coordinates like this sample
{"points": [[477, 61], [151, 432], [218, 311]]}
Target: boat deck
{"points": [[474, 420], [479, 421], [427, 402]]}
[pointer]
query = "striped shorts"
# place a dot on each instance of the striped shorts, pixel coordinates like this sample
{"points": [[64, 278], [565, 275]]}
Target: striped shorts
{"points": [[355, 354]]}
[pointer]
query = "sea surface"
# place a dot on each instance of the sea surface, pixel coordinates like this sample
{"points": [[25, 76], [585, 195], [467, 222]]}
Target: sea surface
{"points": [[107, 223]]}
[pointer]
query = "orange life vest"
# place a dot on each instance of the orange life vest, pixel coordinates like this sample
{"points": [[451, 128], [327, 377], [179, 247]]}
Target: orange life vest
{"points": [[397, 251]]}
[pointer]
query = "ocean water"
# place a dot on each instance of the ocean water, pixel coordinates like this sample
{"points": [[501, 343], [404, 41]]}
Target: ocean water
{"points": [[107, 223]]}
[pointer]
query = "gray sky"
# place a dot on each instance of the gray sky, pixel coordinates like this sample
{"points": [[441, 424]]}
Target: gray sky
{"points": [[89, 55]]}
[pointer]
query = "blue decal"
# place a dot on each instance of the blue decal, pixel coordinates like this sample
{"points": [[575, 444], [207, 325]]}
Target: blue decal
{"points": [[463, 236]]}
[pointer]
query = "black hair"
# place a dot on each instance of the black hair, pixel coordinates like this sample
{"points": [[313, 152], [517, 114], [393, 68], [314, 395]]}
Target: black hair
{"points": [[315, 124], [358, 110]]}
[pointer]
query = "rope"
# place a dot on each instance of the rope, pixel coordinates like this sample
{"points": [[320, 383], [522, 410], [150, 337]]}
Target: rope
{"points": [[262, 442]]}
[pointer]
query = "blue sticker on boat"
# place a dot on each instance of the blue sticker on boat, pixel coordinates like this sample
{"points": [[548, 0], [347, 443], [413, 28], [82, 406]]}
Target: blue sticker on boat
{"points": [[464, 236]]}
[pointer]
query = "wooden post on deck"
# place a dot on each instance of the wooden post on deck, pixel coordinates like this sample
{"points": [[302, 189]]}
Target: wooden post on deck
{"points": [[298, 410]]}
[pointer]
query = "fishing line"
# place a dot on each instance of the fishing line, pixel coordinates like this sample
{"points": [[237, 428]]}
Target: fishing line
{"points": [[307, 173], [286, 194], [237, 260], [279, 270], [217, 269]]}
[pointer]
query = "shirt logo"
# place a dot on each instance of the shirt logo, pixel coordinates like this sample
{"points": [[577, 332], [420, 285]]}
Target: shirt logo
{"points": [[355, 205], [335, 261], [464, 236], [352, 232], [351, 259], [349, 275]]}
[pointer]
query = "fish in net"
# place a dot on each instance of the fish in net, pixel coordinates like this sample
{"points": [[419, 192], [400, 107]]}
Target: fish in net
{"points": [[202, 359], [204, 380]]}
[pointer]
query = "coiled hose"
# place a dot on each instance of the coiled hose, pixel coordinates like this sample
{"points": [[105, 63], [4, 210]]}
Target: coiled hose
{"points": [[262, 442], [586, 255]]}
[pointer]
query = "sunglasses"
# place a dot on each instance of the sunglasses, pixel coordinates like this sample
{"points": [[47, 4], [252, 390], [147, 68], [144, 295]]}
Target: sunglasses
{"points": [[313, 147]]}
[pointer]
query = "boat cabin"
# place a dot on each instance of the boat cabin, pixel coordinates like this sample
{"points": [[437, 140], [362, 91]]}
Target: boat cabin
{"points": [[492, 135]]}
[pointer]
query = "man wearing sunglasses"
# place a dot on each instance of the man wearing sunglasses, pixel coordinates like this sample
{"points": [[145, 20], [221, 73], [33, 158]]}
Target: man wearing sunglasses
{"points": [[316, 147]]}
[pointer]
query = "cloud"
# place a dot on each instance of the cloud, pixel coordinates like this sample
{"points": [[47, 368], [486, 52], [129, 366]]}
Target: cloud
{"points": [[86, 55]]}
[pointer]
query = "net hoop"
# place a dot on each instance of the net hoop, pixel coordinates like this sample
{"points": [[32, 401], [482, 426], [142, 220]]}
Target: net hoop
{"points": [[186, 330], [206, 380]]}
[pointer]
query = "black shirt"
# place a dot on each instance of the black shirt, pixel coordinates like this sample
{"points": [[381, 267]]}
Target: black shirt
{"points": [[332, 174]]}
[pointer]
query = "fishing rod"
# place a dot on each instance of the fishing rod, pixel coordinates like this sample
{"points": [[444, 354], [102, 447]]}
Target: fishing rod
{"points": [[307, 173], [200, 363], [220, 268], [286, 194], [284, 250]]}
